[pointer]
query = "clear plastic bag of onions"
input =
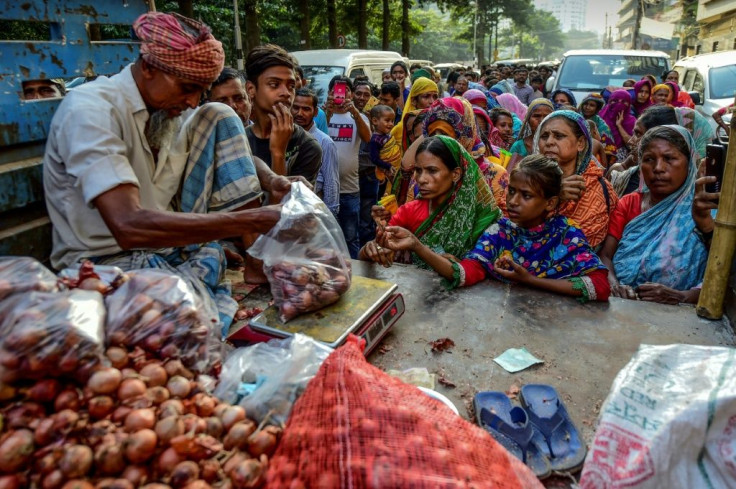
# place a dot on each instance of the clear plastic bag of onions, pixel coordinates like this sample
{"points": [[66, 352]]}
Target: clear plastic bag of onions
{"points": [[305, 256]]}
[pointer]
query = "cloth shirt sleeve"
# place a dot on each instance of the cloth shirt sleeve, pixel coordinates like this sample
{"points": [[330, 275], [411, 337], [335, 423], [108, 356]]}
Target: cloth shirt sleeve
{"points": [[627, 209]]}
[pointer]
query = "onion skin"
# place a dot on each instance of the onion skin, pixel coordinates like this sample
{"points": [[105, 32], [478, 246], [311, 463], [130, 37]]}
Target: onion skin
{"points": [[10, 481], [69, 398], [169, 428], [179, 387], [155, 375], [16, 450], [109, 459], [136, 474], [131, 388], [262, 442], [118, 357], [198, 484], [231, 415], [44, 432], [210, 470], [238, 435], [23, 415], [78, 484], [53, 480], [168, 460], [100, 407], [247, 474]]}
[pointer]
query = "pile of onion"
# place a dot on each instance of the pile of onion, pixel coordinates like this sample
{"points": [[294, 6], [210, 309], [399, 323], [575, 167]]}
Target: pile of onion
{"points": [[141, 423]]}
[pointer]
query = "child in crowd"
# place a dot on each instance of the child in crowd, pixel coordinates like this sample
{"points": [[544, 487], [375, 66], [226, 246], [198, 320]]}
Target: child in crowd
{"points": [[384, 150], [537, 84], [533, 246], [504, 122], [599, 151]]}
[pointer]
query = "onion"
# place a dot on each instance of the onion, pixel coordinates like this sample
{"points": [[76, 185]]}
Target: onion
{"points": [[155, 374], [45, 464], [210, 470], [116, 484], [205, 404], [262, 442], [139, 419], [78, 484], [234, 460], [214, 427], [141, 446], [198, 484], [65, 421], [157, 394], [100, 407], [10, 481], [44, 432], [172, 407], [179, 386], [168, 460], [231, 415], [109, 459], [137, 475], [168, 428], [118, 356], [24, 414], [248, 473], [76, 461], [184, 473], [130, 373], [119, 415], [16, 449], [130, 388], [156, 486], [194, 424], [44, 390], [220, 408], [69, 398], [105, 381], [175, 367], [53, 480], [238, 435]]}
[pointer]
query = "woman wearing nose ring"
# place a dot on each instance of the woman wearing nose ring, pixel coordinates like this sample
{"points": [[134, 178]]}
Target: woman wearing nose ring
{"points": [[587, 197], [454, 207]]}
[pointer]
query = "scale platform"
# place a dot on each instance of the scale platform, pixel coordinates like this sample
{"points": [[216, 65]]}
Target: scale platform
{"points": [[368, 309]]}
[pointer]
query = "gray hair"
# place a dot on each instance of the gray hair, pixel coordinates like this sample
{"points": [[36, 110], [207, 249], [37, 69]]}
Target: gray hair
{"points": [[665, 133]]}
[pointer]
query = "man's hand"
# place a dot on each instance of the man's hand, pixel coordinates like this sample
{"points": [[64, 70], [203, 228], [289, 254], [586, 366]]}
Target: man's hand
{"points": [[282, 127], [510, 270], [572, 188], [266, 218], [380, 215], [659, 293]]}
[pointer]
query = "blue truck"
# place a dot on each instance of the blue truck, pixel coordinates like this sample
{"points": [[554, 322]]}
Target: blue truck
{"points": [[81, 39]]}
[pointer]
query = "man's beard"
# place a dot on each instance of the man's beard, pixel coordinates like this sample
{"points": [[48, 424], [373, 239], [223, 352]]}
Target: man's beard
{"points": [[161, 129]]}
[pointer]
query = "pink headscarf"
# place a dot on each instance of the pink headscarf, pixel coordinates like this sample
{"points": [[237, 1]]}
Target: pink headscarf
{"points": [[511, 102], [640, 107], [474, 96], [179, 46], [675, 94], [619, 102]]}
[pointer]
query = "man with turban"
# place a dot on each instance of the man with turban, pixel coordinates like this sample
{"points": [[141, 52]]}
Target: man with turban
{"points": [[136, 179]]}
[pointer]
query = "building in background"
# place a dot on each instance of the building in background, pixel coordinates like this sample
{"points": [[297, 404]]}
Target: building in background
{"points": [[717, 22], [570, 13]]}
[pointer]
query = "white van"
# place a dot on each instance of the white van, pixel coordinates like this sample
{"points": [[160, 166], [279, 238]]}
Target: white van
{"points": [[321, 65], [713, 77], [591, 70]]}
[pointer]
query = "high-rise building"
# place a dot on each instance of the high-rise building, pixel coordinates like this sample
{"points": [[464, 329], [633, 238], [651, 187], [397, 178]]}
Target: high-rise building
{"points": [[570, 13]]}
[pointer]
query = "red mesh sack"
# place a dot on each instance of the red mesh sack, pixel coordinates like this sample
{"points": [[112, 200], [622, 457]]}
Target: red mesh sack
{"points": [[357, 427]]}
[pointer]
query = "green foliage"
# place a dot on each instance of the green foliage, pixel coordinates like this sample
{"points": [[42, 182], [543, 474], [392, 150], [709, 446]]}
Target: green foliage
{"points": [[438, 40], [575, 39], [17, 30]]}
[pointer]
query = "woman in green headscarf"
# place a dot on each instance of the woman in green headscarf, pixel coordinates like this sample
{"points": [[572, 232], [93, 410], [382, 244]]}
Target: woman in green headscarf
{"points": [[454, 207]]}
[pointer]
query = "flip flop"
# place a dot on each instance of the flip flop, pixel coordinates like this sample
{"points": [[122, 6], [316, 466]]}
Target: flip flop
{"points": [[510, 427], [564, 448]]}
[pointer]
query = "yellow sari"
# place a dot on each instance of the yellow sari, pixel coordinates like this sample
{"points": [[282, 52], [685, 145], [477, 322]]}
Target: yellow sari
{"points": [[420, 87]]}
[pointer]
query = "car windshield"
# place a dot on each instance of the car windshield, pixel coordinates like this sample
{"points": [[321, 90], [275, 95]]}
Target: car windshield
{"points": [[596, 72], [723, 81], [319, 78]]}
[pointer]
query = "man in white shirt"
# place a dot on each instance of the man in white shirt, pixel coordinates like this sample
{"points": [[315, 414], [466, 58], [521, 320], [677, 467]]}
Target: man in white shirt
{"points": [[347, 127], [132, 183]]}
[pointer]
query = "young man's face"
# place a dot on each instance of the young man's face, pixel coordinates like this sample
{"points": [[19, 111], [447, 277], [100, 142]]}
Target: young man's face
{"points": [[233, 93], [303, 111], [361, 96], [388, 99], [275, 85], [461, 85], [520, 76]]}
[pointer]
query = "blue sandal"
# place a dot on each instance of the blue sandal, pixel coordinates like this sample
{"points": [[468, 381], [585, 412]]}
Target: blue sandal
{"points": [[509, 425], [564, 447]]}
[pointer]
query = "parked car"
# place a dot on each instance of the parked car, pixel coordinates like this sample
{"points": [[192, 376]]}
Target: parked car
{"points": [[591, 70], [321, 65], [712, 77], [446, 68]]}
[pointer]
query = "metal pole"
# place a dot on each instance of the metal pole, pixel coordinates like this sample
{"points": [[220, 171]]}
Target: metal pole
{"points": [[720, 255], [637, 24], [238, 38]]}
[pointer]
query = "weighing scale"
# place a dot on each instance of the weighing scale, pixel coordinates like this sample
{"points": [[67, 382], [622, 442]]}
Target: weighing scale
{"points": [[368, 309]]}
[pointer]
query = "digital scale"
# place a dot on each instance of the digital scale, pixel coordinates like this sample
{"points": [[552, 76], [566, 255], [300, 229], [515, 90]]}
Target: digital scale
{"points": [[368, 309]]}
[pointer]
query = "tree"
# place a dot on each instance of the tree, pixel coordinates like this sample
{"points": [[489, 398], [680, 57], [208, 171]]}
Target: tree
{"points": [[362, 23], [305, 23], [332, 22], [437, 40], [186, 8], [385, 28], [252, 24], [405, 47], [575, 39]]}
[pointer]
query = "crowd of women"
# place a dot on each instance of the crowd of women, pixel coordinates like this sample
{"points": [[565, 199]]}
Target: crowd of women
{"points": [[602, 197]]}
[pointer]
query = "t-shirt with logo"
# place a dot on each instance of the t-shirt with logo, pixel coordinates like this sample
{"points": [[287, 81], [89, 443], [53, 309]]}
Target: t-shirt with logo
{"points": [[343, 130]]}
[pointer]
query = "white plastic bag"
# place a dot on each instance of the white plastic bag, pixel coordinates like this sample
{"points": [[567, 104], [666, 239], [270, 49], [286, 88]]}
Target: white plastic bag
{"points": [[267, 378], [305, 256], [668, 422], [23, 274]]}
